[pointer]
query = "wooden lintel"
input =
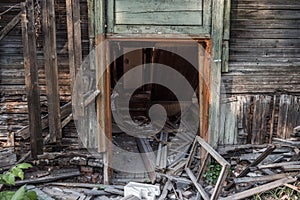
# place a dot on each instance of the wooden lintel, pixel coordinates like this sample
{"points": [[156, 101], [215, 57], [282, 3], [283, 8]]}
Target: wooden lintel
{"points": [[31, 78]]}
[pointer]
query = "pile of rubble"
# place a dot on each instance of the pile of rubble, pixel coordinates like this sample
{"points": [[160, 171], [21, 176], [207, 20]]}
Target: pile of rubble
{"points": [[198, 172]]}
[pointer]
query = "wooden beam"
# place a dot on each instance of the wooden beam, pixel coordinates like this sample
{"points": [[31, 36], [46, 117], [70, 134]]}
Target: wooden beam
{"points": [[51, 70], [74, 37], [215, 86], [258, 160], [148, 157], [70, 30], [10, 26], [31, 78], [77, 35], [103, 84]]}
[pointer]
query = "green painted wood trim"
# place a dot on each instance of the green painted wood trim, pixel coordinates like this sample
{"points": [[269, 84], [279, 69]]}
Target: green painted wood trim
{"points": [[226, 35], [141, 25]]}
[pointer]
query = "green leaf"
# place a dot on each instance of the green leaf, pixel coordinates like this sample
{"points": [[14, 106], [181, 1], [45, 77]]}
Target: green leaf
{"points": [[31, 195], [9, 178], [24, 166], [6, 195], [20, 193], [17, 172]]}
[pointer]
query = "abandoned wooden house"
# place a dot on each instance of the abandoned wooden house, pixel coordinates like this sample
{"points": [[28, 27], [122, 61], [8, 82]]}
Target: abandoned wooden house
{"points": [[240, 57]]}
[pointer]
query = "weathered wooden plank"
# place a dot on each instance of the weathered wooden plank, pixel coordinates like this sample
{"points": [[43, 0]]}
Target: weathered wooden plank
{"points": [[272, 119], [192, 18], [157, 6], [282, 116], [7, 157], [266, 33], [51, 70], [230, 122], [266, 14], [70, 29], [292, 116], [262, 188], [265, 43], [265, 24], [10, 26], [31, 78], [65, 111], [77, 36], [217, 35], [103, 84]]}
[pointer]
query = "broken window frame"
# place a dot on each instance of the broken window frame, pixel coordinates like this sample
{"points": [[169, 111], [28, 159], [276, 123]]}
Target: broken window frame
{"points": [[209, 151]]}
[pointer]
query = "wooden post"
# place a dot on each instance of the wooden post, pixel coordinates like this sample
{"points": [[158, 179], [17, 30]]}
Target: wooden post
{"points": [[214, 107], [31, 78], [51, 70], [103, 84], [74, 37], [70, 30], [77, 34]]}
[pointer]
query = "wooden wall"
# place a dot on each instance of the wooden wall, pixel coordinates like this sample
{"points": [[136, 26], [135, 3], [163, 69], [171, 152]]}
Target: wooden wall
{"points": [[263, 79], [13, 104]]}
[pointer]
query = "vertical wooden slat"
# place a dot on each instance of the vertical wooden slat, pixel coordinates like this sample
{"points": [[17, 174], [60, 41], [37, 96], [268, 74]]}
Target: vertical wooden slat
{"points": [[31, 78], [206, 92], [282, 116], [226, 35], [77, 34], [51, 70], [70, 29], [272, 120]]}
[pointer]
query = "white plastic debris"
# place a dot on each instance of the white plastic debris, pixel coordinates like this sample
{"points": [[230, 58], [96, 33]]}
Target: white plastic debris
{"points": [[142, 191]]}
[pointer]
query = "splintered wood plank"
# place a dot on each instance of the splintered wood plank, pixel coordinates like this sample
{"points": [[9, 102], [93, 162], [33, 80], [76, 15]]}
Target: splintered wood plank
{"points": [[266, 100], [293, 114], [51, 70], [272, 120], [242, 135], [260, 115], [256, 120], [259, 189], [7, 157], [31, 78], [282, 116]]}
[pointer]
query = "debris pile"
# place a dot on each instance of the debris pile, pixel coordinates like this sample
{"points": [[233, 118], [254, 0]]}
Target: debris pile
{"points": [[197, 172]]}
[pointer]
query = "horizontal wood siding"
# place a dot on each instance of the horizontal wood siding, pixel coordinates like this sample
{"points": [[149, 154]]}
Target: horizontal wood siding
{"points": [[13, 105], [264, 47]]}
